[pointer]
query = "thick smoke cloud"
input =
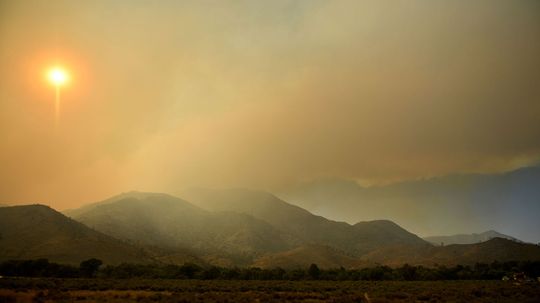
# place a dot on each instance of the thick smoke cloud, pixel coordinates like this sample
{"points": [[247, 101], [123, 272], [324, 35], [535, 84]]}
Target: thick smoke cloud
{"points": [[263, 94]]}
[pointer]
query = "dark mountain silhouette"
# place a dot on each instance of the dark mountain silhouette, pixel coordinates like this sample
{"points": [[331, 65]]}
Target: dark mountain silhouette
{"points": [[467, 238], [506, 202], [355, 239], [38, 231]]}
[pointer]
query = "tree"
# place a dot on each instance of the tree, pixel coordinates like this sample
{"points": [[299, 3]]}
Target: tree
{"points": [[211, 273], [314, 271], [89, 267], [408, 273], [189, 270]]}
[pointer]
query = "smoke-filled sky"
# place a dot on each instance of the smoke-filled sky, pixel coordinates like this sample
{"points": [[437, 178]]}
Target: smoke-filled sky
{"points": [[262, 94]]}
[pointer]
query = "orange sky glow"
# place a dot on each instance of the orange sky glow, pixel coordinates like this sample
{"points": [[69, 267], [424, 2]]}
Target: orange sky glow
{"points": [[263, 94]]}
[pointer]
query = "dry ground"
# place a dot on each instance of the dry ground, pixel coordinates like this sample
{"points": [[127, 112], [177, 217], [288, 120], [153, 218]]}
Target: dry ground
{"points": [[100, 290]]}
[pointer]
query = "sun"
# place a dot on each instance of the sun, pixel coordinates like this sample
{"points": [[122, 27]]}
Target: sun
{"points": [[58, 76]]}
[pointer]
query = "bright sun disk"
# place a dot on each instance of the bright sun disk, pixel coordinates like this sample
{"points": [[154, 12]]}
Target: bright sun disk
{"points": [[58, 76]]}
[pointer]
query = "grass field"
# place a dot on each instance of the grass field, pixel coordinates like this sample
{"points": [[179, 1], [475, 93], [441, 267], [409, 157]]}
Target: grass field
{"points": [[101, 290]]}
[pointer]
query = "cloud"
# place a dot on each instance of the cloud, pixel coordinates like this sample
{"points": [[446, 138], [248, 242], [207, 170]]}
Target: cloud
{"points": [[260, 94]]}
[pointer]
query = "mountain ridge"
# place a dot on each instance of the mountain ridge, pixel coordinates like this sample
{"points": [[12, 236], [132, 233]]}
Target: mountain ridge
{"points": [[506, 202], [354, 239], [468, 238], [168, 221]]}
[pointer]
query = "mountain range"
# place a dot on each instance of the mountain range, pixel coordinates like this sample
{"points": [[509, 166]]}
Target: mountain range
{"points": [[453, 204], [234, 227], [354, 239]]}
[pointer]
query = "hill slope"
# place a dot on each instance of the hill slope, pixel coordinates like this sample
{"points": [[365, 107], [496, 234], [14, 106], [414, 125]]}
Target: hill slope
{"points": [[305, 255], [496, 249], [37, 231]]}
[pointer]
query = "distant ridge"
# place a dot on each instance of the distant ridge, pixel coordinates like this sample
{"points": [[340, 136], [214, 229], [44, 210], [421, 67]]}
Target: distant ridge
{"points": [[506, 202], [468, 238], [355, 239]]}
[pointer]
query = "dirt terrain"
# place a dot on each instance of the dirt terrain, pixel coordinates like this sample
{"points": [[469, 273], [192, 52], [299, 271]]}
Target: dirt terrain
{"points": [[102, 290]]}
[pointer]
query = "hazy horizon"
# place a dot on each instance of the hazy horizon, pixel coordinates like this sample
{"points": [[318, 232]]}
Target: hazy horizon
{"points": [[425, 222]]}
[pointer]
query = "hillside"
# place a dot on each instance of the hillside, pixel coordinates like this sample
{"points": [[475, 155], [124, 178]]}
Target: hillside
{"points": [[305, 255], [165, 221], [506, 202], [496, 249], [37, 231], [355, 239], [467, 238]]}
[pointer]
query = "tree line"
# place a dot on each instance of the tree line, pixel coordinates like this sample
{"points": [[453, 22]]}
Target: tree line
{"points": [[93, 268]]}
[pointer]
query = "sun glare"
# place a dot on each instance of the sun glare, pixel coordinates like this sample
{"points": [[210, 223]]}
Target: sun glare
{"points": [[58, 76]]}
